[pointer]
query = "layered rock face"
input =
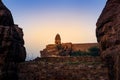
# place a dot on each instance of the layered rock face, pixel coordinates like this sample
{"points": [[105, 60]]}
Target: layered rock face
{"points": [[12, 50], [108, 36], [11, 43]]}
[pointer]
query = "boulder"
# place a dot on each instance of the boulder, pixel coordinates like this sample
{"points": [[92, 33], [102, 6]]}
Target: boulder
{"points": [[108, 36], [12, 50]]}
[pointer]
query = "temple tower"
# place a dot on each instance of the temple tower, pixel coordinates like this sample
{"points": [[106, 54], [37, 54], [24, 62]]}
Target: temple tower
{"points": [[57, 39]]}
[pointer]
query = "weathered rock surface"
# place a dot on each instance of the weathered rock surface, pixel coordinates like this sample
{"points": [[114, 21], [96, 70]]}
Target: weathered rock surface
{"points": [[108, 36], [63, 68], [11, 43], [12, 50]]}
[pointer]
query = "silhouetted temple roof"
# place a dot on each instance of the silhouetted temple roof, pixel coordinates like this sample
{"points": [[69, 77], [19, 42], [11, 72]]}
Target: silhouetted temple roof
{"points": [[57, 37]]}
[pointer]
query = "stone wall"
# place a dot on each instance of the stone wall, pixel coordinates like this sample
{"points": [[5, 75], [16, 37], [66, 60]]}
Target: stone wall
{"points": [[63, 68], [83, 46]]}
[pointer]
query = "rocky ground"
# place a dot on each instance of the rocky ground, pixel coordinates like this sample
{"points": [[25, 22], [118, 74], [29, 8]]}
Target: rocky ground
{"points": [[63, 68]]}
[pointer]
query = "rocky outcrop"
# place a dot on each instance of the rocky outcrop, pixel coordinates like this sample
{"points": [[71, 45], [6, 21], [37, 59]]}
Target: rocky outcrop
{"points": [[11, 43], [6, 18], [108, 36], [12, 50]]}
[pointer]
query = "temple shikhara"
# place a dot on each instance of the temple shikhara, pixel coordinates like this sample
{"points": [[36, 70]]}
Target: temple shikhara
{"points": [[57, 39]]}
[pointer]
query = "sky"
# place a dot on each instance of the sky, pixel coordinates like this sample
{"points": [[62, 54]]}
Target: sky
{"points": [[41, 20]]}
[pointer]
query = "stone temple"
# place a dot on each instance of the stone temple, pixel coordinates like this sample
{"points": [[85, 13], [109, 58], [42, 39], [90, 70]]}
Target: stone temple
{"points": [[57, 39], [64, 49]]}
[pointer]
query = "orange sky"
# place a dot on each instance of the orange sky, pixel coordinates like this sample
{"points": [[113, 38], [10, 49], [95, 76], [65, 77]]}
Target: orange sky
{"points": [[75, 29], [41, 20]]}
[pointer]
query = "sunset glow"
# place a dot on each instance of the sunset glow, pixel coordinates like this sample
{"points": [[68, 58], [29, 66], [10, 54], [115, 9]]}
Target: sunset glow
{"points": [[41, 20]]}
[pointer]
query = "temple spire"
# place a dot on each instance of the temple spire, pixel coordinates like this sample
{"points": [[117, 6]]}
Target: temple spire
{"points": [[57, 39]]}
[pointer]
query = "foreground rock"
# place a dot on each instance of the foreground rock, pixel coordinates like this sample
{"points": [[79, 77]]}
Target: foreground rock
{"points": [[108, 35], [11, 44], [12, 50]]}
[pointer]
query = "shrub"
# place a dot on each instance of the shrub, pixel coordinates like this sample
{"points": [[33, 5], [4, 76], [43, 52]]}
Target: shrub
{"points": [[93, 51], [78, 53]]}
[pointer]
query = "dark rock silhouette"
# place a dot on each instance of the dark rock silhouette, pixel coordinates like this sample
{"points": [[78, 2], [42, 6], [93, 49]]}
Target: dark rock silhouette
{"points": [[108, 36], [12, 50], [6, 18], [11, 43]]}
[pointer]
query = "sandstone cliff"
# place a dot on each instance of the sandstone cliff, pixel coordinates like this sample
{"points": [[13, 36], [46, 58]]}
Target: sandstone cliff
{"points": [[12, 50], [108, 36]]}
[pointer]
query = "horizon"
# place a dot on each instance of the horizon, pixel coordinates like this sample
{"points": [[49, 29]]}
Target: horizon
{"points": [[41, 20]]}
